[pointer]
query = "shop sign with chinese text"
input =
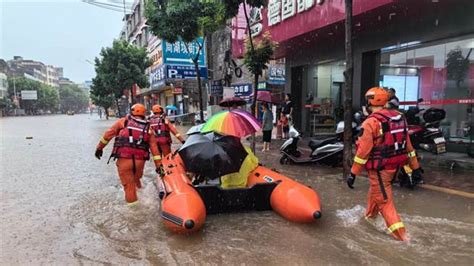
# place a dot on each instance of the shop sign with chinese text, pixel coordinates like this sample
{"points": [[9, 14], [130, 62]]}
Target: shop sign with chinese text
{"points": [[184, 72], [242, 90], [280, 10], [157, 76], [180, 53]]}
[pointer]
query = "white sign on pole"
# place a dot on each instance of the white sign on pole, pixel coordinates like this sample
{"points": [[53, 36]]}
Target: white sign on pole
{"points": [[29, 95], [228, 92]]}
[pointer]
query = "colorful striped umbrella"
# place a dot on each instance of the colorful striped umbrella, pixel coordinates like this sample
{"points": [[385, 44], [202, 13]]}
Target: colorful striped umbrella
{"points": [[238, 123]]}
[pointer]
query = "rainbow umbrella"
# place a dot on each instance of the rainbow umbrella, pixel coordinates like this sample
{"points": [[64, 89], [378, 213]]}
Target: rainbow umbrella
{"points": [[238, 123]]}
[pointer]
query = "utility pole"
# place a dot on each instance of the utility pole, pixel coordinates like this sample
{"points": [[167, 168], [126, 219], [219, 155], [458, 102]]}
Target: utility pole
{"points": [[126, 22], [15, 98], [348, 73]]}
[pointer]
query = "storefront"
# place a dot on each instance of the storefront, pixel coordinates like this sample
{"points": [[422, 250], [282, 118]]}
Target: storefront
{"points": [[172, 76], [413, 46]]}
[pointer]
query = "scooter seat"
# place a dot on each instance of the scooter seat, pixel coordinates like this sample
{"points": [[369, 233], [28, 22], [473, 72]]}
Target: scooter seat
{"points": [[316, 143]]}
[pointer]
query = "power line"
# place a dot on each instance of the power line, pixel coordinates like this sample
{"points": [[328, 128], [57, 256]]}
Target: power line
{"points": [[112, 7]]}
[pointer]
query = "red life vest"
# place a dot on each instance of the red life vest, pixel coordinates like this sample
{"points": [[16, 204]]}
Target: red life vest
{"points": [[161, 129], [132, 142], [391, 152]]}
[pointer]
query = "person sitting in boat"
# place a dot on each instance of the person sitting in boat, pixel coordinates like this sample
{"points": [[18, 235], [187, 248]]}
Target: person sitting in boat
{"points": [[239, 179]]}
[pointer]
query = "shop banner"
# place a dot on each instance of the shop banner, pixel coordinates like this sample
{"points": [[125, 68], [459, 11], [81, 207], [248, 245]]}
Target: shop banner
{"points": [[157, 76], [242, 90], [440, 102], [184, 72], [180, 53]]}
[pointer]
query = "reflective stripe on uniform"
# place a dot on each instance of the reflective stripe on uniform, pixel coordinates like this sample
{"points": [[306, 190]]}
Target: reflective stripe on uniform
{"points": [[156, 157], [412, 154], [360, 160], [178, 135], [104, 141], [395, 227], [136, 128]]}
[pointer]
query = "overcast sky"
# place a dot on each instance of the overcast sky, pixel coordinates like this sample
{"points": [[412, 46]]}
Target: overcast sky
{"points": [[62, 33]]}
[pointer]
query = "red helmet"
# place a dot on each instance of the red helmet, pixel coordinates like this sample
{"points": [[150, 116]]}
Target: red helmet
{"points": [[138, 109], [156, 109], [377, 96]]}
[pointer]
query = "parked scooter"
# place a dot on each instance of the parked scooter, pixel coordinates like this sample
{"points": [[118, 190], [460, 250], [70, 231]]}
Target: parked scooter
{"points": [[326, 151], [427, 135]]}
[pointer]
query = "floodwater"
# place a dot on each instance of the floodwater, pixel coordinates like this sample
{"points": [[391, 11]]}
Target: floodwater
{"points": [[60, 205]]}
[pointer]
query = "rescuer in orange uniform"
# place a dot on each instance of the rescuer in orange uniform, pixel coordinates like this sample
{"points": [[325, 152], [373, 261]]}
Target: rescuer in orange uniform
{"points": [[162, 128], [131, 149], [383, 146]]}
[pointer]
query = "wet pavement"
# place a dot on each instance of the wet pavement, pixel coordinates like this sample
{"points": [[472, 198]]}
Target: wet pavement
{"points": [[60, 205]]}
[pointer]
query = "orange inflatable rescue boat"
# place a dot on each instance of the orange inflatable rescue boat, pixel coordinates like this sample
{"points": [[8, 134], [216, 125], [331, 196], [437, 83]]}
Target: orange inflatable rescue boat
{"points": [[184, 206]]}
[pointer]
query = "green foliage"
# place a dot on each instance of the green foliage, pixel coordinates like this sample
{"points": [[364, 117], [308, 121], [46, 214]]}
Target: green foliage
{"points": [[102, 95], [184, 19], [48, 98], [73, 98], [232, 6], [6, 105], [256, 59], [120, 67]]}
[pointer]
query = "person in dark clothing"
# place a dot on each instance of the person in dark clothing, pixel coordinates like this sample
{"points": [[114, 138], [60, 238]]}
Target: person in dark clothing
{"points": [[393, 102], [288, 106], [267, 127]]}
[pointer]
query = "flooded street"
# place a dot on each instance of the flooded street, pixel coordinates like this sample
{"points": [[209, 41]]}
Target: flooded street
{"points": [[60, 205]]}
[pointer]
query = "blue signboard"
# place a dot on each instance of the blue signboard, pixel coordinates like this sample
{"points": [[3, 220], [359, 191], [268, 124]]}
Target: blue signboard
{"points": [[157, 76], [184, 72], [242, 90], [217, 88], [180, 53], [276, 75]]}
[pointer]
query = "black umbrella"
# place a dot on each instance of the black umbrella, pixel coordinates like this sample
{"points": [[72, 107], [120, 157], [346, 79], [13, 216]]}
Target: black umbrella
{"points": [[233, 101], [212, 155], [195, 130]]}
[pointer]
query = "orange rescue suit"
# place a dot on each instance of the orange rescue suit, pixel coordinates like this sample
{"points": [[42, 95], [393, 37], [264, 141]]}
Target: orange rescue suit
{"points": [[380, 199], [130, 162], [162, 128]]}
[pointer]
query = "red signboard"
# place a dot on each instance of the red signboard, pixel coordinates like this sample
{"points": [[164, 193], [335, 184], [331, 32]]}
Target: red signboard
{"points": [[293, 18], [177, 90]]}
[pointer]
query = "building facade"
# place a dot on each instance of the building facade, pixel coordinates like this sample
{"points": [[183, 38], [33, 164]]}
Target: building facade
{"points": [[172, 75], [423, 49], [35, 70]]}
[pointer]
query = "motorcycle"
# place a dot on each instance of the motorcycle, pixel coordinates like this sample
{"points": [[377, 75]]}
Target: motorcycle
{"points": [[328, 150], [428, 135]]}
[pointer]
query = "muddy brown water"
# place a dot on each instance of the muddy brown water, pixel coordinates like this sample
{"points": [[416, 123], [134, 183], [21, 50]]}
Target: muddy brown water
{"points": [[59, 205]]}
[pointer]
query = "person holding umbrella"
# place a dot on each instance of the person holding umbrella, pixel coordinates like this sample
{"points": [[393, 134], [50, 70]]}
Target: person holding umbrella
{"points": [[267, 127]]}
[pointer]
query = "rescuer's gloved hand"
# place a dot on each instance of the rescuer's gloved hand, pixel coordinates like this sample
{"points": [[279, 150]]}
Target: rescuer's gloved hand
{"points": [[183, 141], [417, 176], [350, 181], [98, 153]]}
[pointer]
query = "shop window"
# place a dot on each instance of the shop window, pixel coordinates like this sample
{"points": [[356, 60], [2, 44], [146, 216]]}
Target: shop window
{"points": [[441, 74]]}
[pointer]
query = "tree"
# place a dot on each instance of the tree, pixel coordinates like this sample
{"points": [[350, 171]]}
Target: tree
{"points": [[73, 98], [186, 20], [48, 98], [347, 95], [256, 58], [6, 105], [101, 95], [119, 68]]}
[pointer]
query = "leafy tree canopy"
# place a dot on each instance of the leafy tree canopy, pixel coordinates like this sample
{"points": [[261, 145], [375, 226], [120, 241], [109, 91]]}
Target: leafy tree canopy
{"points": [[256, 59], [73, 98], [120, 67]]}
